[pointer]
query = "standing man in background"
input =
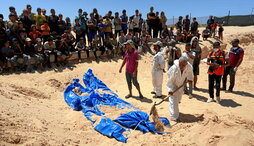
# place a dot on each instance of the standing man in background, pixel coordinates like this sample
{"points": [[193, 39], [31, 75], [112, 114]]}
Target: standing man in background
{"points": [[157, 69], [235, 59]]}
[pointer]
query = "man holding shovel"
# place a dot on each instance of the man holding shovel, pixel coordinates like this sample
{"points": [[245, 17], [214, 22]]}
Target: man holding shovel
{"points": [[180, 73]]}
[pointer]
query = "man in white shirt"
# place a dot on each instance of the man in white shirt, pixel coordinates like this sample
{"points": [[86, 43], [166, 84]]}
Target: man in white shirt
{"points": [[136, 21], [157, 69], [177, 75]]}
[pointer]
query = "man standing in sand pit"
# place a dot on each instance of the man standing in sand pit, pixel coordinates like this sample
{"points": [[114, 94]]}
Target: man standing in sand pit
{"points": [[131, 61], [157, 69], [177, 75], [235, 59]]}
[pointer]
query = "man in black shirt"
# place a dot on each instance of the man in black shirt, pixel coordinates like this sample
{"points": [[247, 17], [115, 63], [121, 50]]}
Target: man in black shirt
{"points": [[151, 21], [52, 21], [194, 26]]}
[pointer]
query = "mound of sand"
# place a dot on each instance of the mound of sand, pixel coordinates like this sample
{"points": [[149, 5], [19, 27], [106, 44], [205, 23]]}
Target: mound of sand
{"points": [[33, 111]]}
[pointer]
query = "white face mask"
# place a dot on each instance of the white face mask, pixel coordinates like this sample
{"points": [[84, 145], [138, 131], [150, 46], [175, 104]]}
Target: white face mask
{"points": [[215, 49], [234, 48]]}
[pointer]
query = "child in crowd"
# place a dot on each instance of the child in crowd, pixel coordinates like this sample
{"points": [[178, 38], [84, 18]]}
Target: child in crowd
{"points": [[206, 33], [213, 29], [80, 47], [220, 31]]}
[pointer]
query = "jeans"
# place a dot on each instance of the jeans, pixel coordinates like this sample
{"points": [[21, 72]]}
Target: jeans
{"points": [[38, 59], [229, 71], [48, 57], [14, 60], [217, 79]]}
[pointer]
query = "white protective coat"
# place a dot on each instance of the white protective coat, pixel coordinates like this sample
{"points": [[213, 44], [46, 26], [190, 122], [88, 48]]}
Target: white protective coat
{"points": [[176, 79], [157, 72]]}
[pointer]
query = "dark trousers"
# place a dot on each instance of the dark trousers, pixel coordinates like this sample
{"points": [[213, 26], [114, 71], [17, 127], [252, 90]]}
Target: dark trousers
{"points": [[229, 71], [131, 79], [125, 31], [135, 30], [48, 57], [80, 51], [217, 79]]}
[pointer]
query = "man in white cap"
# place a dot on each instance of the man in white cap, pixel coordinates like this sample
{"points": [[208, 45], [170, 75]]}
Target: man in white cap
{"points": [[131, 61], [157, 69], [178, 74]]}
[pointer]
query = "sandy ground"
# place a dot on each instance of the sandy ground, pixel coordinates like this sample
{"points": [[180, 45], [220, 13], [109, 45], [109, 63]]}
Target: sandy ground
{"points": [[33, 111]]}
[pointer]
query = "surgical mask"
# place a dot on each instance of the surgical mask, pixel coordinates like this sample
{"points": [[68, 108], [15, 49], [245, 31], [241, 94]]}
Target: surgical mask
{"points": [[215, 49], [234, 48]]}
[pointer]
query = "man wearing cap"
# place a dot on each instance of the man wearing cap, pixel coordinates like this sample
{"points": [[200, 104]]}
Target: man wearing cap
{"points": [[131, 61], [172, 53], [30, 14], [158, 66], [178, 74], [235, 59], [216, 62], [31, 53]]}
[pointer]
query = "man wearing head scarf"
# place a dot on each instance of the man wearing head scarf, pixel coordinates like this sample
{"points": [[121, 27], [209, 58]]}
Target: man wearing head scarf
{"points": [[178, 74], [197, 49], [157, 69]]}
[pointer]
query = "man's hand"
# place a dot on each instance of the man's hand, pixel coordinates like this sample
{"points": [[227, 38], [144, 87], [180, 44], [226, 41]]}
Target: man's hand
{"points": [[120, 70], [135, 74], [235, 69]]}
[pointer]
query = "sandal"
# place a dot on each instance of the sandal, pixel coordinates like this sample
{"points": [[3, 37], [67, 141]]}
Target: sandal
{"points": [[128, 96]]}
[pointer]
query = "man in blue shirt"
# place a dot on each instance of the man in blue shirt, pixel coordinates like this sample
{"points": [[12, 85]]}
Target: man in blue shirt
{"points": [[124, 19]]}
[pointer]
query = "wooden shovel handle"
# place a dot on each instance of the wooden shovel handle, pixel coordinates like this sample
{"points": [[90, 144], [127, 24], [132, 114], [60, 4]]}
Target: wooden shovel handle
{"points": [[185, 81]]}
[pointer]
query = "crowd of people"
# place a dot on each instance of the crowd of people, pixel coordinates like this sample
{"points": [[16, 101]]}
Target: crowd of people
{"points": [[37, 36]]}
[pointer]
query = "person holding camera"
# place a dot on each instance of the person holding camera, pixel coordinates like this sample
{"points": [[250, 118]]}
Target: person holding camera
{"points": [[216, 61]]}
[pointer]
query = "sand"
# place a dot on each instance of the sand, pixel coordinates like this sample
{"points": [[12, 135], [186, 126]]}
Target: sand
{"points": [[33, 111]]}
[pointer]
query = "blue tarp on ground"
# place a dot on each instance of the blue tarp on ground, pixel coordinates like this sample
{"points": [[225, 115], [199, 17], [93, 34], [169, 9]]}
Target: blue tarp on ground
{"points": [[95, 94]]}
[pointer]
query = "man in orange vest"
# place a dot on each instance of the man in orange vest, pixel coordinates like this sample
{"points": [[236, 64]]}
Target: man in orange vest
{"points": [[216, 62]]}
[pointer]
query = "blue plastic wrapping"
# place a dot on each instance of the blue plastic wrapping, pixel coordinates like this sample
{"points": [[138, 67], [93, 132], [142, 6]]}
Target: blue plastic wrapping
{"points": [[139, 119], [95, 94], [110, 128]]}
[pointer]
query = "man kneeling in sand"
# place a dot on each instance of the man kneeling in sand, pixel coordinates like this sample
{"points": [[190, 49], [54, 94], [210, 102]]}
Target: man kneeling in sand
{"points": [[179, 73]]}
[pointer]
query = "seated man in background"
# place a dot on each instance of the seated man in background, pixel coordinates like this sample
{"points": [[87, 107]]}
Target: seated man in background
{"points": [[206, 33], [18, 53], [50, 48], [31, 53], [80, 47]]}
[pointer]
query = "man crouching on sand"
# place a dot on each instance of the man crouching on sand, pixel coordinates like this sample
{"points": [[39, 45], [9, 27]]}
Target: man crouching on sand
{"points": [[131, 61], [177, 75]]}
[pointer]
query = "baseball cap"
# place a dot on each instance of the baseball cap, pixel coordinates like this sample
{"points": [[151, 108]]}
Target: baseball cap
{"points": [[28, 40], [216, 44], [235, 41], [28, 6], [14, 39], [38, 39], [130, 42], [172, 42], [158, 43]]}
